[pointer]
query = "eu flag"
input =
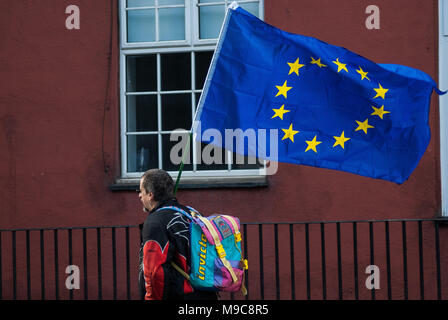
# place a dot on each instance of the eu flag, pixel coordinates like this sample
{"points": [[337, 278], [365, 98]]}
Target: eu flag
{"points": [[332, 108]]}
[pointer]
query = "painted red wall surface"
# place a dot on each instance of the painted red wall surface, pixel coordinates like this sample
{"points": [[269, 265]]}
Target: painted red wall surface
{"points": [[59, 120]]}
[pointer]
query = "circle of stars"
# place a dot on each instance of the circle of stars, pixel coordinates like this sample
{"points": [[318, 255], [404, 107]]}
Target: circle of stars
{"points": [[361, 126]]}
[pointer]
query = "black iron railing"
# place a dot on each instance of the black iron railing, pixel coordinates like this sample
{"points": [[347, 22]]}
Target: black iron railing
{"points": [[407, 253], [297, 260], [36, 260]]}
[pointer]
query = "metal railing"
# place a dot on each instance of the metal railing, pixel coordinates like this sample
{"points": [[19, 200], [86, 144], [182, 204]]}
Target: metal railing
{"points": [[33, 262], [297, 260]]}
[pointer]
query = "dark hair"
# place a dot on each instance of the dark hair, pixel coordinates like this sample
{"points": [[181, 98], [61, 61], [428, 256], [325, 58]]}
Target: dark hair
{"points": [[160, 183]]}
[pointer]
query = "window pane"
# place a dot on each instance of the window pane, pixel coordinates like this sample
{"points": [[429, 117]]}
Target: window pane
{"points": [[202, 61], [172, 24], [251, 7], [210, 21], [176, 111], [141, 26], [141, 73], [142, 153], [208, 1], [169, 164], [212, 158], [142, 113], [170, 2], [176, 71], [197, 97], [140, 3]]}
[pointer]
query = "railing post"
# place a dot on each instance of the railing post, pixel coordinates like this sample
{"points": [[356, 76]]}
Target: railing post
{"points": [[28, 266], [389, 281], [84, 253], [42, 264], [338, 242], [260, 238], [372, 253], [14, 266], [114, 265], [70, 257], [420, 255], [307, 253], [324, 273], [437, 248], [56, 263], [100, 283], [277, 269], [405, 261], [128, 268], [291, 250], [355, 259]]}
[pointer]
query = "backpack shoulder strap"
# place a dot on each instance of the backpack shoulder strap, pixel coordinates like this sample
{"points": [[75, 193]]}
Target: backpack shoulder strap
{"points": [[181, 211]]}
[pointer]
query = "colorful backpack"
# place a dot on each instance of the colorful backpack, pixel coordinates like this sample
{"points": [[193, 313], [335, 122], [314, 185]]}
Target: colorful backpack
{"points": [[217, 263]]}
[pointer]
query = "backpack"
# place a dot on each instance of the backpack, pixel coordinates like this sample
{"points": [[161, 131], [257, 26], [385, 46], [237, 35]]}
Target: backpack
{"points": [[217, 263]]}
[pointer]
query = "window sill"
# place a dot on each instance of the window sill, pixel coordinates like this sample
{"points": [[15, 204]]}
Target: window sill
{"points": [[132, 184]]}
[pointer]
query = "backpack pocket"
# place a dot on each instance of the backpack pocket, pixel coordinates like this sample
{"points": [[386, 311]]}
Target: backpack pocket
{"points": [[223, 279]]}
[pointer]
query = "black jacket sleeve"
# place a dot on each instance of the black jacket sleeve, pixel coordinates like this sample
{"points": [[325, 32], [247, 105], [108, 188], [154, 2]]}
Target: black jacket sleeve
{"points": [[156, 257]]}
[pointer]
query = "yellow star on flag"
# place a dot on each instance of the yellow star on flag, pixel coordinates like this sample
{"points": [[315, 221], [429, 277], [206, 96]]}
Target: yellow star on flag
{"points": [[282, 90], [341, 66], [312, 144], [340, 140], [280, 112], [380, 92], [289, 133], [364, 126], [380, 112], [317, 62], [363, 74], [294, 67]]}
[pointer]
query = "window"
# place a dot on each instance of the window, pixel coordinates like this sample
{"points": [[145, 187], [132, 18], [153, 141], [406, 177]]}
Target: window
{"points": [[166, 50]]}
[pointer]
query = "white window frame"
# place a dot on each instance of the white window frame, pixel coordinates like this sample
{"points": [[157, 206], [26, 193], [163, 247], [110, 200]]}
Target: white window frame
{"points": [[443, 103], [195, 13], [123, 34], [191, 44]]}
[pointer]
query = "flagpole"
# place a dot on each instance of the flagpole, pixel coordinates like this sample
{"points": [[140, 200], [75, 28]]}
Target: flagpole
{"points": [[210, 71], [181, 168]]}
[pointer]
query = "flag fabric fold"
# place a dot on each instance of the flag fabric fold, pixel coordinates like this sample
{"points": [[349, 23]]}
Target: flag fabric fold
{"points": [[332, 108]]}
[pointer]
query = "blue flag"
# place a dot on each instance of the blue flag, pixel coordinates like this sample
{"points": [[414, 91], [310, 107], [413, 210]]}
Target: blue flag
{"points": [[331, 107]]}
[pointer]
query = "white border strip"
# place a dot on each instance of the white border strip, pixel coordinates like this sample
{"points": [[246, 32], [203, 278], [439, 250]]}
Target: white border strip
{"points": [[443, 103]]}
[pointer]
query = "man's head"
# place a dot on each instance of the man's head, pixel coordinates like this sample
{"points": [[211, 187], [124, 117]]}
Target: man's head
{"points": [[155, 186]]}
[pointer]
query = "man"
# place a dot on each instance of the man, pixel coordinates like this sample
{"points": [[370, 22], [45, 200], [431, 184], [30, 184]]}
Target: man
{"points": [[165, 239]]}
